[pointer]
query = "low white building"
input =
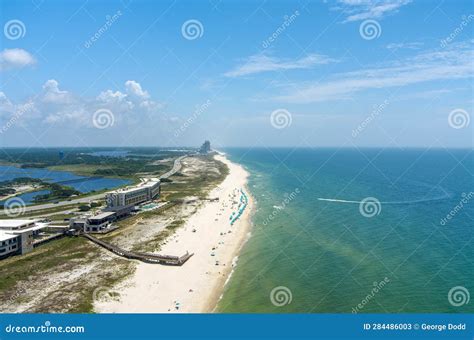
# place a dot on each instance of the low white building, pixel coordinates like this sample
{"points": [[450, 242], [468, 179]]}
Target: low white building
{"points": [[16, 236], [99, 222], [93, 224]]}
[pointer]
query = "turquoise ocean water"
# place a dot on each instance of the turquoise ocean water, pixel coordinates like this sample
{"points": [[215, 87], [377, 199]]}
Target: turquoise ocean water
{"points": [[316, 249]]}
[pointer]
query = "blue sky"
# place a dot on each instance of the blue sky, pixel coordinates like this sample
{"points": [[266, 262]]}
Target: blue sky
{"points": [[349, 73]]}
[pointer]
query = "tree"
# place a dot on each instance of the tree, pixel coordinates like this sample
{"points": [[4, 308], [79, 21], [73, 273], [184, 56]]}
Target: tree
{"points": [[84, 207]]}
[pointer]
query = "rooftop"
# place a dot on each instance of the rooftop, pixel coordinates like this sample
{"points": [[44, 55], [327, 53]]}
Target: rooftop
{"points": [[145, 183], [148, 182], [101, 216], [14, 223], [26, 230]]}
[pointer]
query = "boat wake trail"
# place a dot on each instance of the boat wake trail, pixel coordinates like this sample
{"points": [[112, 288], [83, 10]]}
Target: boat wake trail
{"points": [[439, 198], [336, 200]]}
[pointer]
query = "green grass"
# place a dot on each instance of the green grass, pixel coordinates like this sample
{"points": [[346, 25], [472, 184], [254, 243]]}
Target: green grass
{"points": [[81, 169], [61, 218], [41, 259], [57, 257]]}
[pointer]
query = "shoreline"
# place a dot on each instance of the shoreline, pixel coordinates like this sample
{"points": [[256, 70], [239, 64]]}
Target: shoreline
{"points": [[198, 285], [218, 292]]}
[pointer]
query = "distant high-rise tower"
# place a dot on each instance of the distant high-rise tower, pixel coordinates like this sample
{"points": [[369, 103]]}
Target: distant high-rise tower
{"points": [[206, 147]]}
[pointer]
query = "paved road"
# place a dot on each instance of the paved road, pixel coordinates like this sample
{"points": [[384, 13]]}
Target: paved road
{"points": [[62, 203], [176, 167]]}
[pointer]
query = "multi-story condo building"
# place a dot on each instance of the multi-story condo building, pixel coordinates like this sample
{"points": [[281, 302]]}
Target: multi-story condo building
{"points": [[147, 190]]}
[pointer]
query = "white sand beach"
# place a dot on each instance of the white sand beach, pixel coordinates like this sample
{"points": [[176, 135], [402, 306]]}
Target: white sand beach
{"points": [[196, 286]]}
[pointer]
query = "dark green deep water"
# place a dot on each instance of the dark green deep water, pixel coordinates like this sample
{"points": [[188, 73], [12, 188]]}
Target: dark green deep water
{"points": [[329, 256]]}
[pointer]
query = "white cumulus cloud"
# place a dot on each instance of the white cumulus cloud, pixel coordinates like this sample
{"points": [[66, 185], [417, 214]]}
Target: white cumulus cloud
{"points": [[135, 89], [15, 58], [52, 93], [54, 105]]}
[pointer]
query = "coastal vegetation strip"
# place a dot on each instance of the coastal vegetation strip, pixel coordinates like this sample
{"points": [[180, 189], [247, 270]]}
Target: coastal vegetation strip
{"points": [[196, 183]]}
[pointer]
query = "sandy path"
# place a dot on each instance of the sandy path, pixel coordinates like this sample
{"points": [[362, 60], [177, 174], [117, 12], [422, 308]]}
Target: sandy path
{"points": [[197, 285]]}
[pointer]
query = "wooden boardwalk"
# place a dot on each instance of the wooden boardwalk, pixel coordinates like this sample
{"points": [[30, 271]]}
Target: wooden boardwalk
{"points": [[144, 257]]}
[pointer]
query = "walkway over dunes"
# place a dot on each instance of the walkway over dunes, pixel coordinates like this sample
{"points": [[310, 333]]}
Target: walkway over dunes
{"points": [[144, 257]]}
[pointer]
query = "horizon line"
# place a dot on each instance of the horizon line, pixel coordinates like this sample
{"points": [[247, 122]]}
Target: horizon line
{"points": [[247, 147]]}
